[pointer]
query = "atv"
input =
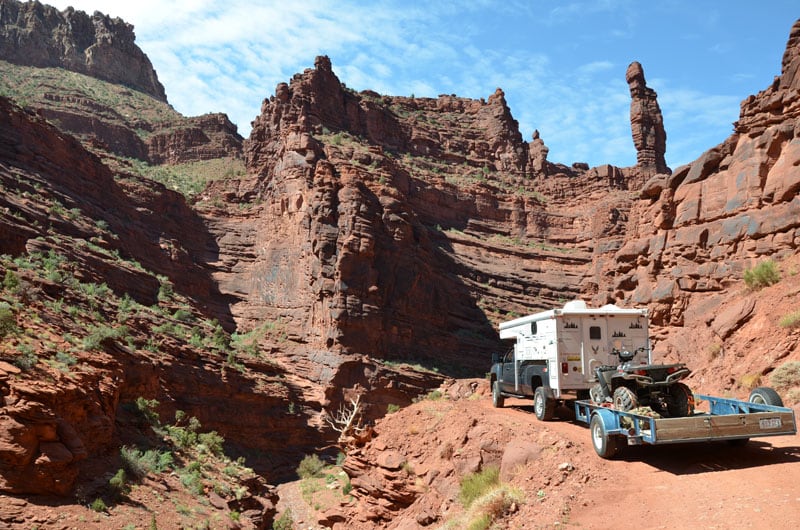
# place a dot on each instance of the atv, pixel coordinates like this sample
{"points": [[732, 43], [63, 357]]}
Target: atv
{"points": [[629, 386]]}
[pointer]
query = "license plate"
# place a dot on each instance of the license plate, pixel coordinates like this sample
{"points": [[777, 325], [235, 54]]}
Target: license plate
{"points": [[769, 423]]}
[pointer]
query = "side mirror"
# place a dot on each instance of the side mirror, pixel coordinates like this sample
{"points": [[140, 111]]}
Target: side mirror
{"points": [[495, 358]]}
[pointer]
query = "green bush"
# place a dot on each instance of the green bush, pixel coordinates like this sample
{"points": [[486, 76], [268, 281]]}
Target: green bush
{"points": [[284, 522], [786, 375], [139, 463], [119, 483], [310, 467], [212, 442], [145, 409], [792, 320], [762, 275], [98, 505], [26, 360], [8, 322], [97, 334], [392, 408], [11, 280], [477, 484]]}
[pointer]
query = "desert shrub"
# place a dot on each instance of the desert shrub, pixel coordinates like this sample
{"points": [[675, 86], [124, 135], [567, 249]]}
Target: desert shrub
{"points": [[98, 505], [119, 483], [66, 358], [184, 436], [11, 280], [392, 408], [750, 381], [139, 463], [284, 522], [146, 409], [477, 484], [8, 322], [762, 275], [182, 315], [211, 441], [98, 334], [311, 466], [192, 480], [434, 395], [792, 320], [786, 375], [26, 360]]}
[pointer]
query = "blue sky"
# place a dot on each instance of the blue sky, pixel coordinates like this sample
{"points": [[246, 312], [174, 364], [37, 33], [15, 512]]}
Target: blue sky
{"points": [[561, 64]]}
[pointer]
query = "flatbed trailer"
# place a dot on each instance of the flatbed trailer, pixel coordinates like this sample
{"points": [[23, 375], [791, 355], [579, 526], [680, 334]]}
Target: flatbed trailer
{"points": [[732, 420]]}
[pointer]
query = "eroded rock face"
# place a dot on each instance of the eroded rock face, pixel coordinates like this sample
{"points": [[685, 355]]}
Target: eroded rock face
{"points": [[38, 35], [363, 244], [647, 124], [694, 233]]}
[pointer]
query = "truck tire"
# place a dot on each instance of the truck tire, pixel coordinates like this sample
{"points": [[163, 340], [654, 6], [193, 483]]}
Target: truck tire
{"points": [[681, 401], [604, 445], [543, 406], [766, 396], [497, 398], [625, 399]]}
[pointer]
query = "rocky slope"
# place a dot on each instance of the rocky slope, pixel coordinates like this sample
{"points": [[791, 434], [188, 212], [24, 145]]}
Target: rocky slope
{"points": [[99, 46], [113, 100]]}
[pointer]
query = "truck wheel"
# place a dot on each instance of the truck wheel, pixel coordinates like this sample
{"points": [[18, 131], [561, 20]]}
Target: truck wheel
{"points": [[625, 399], [543, 406], [765, 396], [604, 445], [680, 402], [497, 398]]}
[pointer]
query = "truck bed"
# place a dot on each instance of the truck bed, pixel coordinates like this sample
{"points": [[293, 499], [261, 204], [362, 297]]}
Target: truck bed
{"points": [[727, 419]]}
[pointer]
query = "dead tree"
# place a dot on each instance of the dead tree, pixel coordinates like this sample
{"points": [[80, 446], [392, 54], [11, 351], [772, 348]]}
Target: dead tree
{"points": [[347, 421]]}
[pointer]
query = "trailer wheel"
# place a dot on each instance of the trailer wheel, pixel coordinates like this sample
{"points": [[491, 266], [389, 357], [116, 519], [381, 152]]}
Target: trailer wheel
{"points": [[765, 396], [543, 406], [604, 445], [497, 398], [680, 402], [625, 399]]}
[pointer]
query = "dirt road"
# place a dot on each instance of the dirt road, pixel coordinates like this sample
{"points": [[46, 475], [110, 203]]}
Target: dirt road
{"points": [[703, 485]]}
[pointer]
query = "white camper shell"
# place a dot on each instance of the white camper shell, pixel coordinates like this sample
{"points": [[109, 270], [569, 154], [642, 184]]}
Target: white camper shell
{"points": [[566, 345]]}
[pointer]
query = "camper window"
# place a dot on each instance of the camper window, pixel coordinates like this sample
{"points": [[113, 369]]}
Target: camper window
{"points": [[594, 333], [533, 328]]}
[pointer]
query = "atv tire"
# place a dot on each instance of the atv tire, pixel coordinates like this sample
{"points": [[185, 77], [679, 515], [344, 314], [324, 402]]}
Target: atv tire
{"points": [[680, 402], [596, 394], [625, 399]]}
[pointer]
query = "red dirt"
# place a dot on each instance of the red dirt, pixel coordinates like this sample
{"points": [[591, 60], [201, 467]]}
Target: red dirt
{"points": [[565, 484]]}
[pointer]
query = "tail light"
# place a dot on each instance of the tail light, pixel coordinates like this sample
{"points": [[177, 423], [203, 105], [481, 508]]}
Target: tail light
{"points": [[641, 372], [672, 369], [564, 368]]}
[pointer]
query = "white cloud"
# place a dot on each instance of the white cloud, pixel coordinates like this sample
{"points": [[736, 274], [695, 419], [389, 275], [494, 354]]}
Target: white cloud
{"points": [[561, 65]]}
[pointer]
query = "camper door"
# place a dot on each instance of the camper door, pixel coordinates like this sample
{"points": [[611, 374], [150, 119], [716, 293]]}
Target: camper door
{"points": [[595, 342]]}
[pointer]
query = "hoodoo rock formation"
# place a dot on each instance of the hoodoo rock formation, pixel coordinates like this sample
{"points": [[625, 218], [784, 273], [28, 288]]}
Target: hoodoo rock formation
{"points": [[647, 124], [39, 35]]}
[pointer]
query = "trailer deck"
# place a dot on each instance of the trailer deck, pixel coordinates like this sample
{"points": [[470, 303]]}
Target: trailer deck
{"points": [[727, 419]]}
